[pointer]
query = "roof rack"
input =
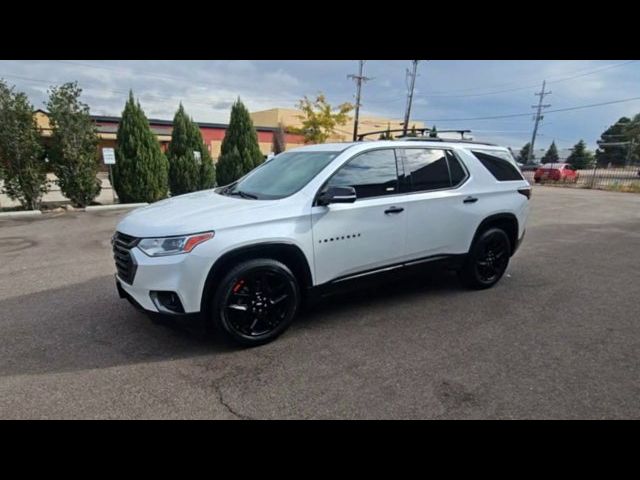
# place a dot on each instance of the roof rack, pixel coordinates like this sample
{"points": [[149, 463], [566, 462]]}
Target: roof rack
{"points": [[421, 130]]}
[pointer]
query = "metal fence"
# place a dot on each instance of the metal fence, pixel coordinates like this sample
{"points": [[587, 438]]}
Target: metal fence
{"points": [[621, 179]]}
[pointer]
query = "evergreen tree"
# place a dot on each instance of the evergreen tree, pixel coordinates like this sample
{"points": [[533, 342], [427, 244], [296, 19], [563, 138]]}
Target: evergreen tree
{"points": [[239, 152], [74, 145], [551, 155], [141, 170], [433, 133], [184, 169], [412, 132], [580, 157], [524, 152], [206, 168], [614, 154], [22, 164], [633, 134]]}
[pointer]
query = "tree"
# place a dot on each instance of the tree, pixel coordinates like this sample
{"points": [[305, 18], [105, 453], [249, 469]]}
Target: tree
{"points": [[141, 169], [614, 154], [551, 155], [386, 135], [239, 152], [580, 157], [433, 133], [524, 152], [279, 143], [22, 163], [633, 135], [412, 132], [74, 145], [207, 170], [319, 120], [184, 170]]}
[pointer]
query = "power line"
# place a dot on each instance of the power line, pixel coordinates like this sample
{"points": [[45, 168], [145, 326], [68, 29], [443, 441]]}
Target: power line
{"points": [[360, 78], [524, 87], [497, 92], [513, 115]]}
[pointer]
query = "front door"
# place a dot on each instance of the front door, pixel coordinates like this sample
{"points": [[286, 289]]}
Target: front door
{"points": [[353, 238]]}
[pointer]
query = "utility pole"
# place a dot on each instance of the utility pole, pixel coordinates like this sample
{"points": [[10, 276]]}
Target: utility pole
{"points": [[537, 118], [359, 79], [407, 112]]}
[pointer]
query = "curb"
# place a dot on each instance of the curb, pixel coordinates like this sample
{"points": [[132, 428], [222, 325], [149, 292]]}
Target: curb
{"points": [[26, 213], [117, 206]]}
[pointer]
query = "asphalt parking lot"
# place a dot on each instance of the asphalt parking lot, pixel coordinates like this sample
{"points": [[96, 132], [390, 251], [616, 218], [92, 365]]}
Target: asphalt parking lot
{"points": [[559, 337]]}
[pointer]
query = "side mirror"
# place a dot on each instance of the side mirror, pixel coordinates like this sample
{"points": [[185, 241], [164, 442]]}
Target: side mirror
{"points": [[337, 195]]}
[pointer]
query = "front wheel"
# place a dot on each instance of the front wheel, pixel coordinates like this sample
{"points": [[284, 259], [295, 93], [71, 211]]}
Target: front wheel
{"points": [[256, 301], [487, 260]]}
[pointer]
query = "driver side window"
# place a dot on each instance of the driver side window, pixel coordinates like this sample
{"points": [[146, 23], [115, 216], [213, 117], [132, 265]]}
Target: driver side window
{"points": [[371, 174]]}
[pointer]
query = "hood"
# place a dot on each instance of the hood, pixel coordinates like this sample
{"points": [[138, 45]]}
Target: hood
{"points": [[190, 213]]}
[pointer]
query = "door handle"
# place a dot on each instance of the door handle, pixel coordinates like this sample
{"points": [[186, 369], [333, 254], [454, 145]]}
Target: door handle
{"points": [[470, 200], [393, 210]]}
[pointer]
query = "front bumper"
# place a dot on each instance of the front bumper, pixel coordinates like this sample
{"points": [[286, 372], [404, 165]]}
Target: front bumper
{"points": [[183, 274]]}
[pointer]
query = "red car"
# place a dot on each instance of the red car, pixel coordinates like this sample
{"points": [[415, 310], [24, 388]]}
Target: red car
{"points": [[558, 172]]}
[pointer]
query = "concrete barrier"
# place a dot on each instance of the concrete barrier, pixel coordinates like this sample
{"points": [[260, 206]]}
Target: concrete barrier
{"points": [[20, 214], [115, 206]]}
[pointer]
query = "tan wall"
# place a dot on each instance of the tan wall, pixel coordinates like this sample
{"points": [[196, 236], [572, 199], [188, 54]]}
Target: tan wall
{"points": [[289, 118]]}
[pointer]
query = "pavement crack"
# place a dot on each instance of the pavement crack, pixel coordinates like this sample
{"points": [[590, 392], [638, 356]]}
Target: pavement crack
{"points": [[228, 406]]}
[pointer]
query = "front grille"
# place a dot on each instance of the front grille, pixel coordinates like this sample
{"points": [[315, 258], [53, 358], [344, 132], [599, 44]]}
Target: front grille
{"points": [[125, 263]]}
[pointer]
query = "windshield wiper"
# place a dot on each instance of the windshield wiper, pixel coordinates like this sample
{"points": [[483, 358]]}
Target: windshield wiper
{"points": [[242, 194]]}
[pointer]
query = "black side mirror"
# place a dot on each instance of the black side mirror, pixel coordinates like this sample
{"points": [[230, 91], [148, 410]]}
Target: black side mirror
{"points": [[337, 195]]}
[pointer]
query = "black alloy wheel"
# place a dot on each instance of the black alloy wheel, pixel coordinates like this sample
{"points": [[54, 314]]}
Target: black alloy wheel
{"points": [[256, 301], [488, 259]]}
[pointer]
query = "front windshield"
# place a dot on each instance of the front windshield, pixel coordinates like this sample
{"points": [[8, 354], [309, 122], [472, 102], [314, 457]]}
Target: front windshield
{"points": [[281, 176]]}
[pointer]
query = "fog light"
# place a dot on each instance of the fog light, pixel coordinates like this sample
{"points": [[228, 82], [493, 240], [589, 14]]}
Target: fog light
{"points": [[167, 302]]}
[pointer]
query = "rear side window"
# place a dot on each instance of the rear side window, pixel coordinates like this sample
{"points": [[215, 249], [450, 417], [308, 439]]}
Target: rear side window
{"points": [[457, 172], [426, 169], [430, 169], [498, 164]]}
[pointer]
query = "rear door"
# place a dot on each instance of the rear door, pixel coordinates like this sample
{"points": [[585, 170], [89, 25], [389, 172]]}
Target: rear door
{"points": [[441, 212], [353, 238]]}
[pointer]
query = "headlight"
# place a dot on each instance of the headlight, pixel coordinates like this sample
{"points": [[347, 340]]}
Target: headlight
{"points": [[158, 247]]}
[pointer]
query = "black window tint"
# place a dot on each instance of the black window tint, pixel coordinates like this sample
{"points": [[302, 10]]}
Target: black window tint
{"points": [[426, 169], [457, 172], [372, 174], [501, 168]]}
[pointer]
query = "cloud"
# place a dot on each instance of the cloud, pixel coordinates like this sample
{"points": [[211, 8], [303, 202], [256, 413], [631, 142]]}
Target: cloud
{"points": [[444, 90]]}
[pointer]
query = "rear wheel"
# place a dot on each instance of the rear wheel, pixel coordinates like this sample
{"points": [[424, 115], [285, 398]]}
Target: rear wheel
{"points": [[256, 301], [487, 260]]}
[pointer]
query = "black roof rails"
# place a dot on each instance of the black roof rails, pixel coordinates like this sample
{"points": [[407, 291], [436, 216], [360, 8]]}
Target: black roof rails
{"points": [[421, 130]]}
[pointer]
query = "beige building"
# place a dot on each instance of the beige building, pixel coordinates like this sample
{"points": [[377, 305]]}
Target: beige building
{"points": [[289, 117]]}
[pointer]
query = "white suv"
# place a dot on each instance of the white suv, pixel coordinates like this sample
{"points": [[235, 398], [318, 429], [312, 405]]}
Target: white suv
{"points": [[246, 255]]}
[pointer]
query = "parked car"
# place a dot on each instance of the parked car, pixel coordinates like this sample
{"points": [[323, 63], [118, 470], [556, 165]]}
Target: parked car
{"points": [[529, 167], [557, 172], [317, 219]]}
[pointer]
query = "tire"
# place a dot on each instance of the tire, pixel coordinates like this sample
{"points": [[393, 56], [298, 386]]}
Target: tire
{"points": [[255, 302], [487, 260]]}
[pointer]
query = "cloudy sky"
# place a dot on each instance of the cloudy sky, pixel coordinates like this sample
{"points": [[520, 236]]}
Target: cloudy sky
{"points": [[449, 94]]}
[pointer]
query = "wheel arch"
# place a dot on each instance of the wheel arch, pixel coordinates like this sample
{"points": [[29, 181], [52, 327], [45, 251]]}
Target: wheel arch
{"points": [[289, 254], [506, 221]]}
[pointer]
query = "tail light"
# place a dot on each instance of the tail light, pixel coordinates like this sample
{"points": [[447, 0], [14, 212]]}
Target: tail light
{"points": [[525, 191]]}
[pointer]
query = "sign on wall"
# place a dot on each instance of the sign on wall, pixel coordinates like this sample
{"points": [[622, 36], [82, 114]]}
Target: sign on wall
{"points": [[109, 156]]}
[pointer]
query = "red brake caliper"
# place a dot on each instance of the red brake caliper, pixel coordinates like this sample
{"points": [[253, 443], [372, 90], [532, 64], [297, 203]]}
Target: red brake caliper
{"points": [[238, 286]]}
